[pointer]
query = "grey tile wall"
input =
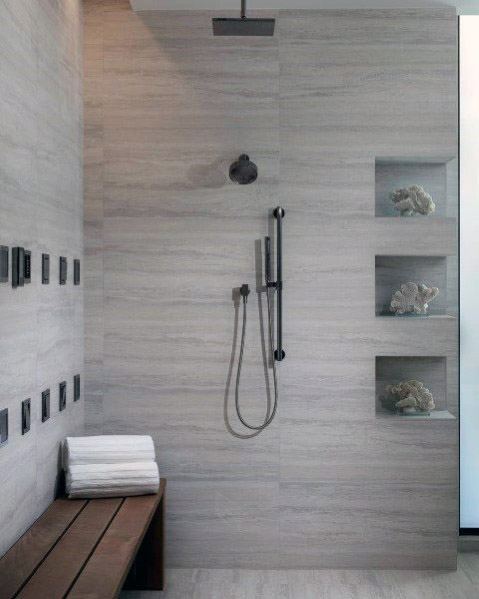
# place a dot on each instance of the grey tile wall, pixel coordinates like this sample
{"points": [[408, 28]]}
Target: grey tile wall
{"points": [[168, 107], [41, 208]]}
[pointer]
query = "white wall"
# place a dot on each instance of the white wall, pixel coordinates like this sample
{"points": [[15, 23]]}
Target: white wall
{"points": [[469, 124]]}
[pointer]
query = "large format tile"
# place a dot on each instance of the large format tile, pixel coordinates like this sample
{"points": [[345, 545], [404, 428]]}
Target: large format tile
{"points": [[366, 525], [215, 522]]}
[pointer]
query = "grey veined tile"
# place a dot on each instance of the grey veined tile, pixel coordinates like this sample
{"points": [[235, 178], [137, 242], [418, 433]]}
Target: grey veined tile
{"points": [[169, 236]]}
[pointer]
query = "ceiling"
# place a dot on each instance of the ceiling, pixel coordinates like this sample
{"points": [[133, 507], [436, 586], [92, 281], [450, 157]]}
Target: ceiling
{"points": [[463, 6]]}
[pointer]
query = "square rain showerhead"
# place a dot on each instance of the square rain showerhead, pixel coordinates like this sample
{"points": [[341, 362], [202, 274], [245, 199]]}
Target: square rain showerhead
{"points": [[243, 27]]}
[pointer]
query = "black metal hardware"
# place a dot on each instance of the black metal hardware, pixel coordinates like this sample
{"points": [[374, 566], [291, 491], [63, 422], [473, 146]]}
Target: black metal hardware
{"points": [[277, 354], [244, 291], [3, 264], [267, 262], [18, 267], [26, 415], [278, 213], [45, 269], [62, 396], [76, 271], [3, 426], [63, 270], [243, 25], [76, 387], [27, 266], [45, 405], [243, 171]]}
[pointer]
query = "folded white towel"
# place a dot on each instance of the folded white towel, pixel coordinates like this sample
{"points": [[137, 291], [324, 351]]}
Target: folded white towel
{"points": [[112, 480], [107, 449]]}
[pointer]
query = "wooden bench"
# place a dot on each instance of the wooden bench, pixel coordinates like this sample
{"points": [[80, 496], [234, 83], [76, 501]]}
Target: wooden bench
{"points": [[88, 548]]}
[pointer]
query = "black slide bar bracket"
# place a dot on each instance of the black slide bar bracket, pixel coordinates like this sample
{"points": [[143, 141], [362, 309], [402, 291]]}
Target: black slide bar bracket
{"points": [[279, 353]]}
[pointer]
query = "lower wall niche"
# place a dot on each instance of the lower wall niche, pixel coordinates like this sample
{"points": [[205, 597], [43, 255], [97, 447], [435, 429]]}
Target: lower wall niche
{"points": [[429, 370]]}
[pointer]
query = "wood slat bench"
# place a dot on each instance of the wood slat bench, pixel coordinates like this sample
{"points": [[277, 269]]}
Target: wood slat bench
{"points": [[88, 548]]}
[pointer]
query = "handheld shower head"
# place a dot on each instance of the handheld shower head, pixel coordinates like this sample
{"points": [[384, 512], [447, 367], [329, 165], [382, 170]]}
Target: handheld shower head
{"points": [[243, 171], [267, 260]]}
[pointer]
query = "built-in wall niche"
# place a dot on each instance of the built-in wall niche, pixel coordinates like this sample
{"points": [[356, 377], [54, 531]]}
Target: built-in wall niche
{"points": [[429, 370], [394, 271], [438, 177]]}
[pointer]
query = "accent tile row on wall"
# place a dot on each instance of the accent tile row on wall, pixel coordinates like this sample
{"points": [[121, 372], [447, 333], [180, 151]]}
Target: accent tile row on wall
{"points": [[41, 209]]}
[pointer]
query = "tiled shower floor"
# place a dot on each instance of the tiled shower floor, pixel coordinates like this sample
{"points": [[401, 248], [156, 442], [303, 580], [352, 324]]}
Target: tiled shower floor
{"points": [[322, 584]]}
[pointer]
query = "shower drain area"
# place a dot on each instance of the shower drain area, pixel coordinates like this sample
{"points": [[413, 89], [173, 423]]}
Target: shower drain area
{"points": [[429, 370]]}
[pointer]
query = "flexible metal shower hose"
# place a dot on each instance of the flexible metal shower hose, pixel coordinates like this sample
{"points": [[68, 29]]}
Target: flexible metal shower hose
{"points": [[269, 416]]}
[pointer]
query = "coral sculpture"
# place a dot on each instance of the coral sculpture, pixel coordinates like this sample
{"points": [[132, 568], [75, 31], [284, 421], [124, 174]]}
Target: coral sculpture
{"points": [[412, 298], [413, 200], [410, 396]]}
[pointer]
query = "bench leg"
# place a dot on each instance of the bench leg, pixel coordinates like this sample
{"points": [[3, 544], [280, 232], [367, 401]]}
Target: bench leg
{"points": [[148, 571]]}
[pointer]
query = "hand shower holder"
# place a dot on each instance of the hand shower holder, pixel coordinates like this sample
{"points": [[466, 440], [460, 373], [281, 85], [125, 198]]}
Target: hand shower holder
{"points": [[277, 354]]}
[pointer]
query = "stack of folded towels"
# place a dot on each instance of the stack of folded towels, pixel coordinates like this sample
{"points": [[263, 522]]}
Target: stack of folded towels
{"points": [[110, 466]]}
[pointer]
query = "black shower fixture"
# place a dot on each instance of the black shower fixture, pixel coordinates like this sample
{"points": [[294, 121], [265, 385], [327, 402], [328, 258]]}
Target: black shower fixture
{"points": [[278, 214], [243, 171], [278, 354], [3, 264], [243, 26]]}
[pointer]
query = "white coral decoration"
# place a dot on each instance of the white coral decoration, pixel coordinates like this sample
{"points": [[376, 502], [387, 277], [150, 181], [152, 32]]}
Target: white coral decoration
{"points": [[412, 298], [411, 200], [412, 394]]}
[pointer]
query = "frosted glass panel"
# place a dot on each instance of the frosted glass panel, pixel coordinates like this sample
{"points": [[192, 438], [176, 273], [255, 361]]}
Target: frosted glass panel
{"points": [[469, 202]]}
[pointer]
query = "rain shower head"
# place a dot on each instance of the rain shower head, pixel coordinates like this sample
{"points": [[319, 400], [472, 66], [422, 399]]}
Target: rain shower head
{"points": [[243, 26], [243, 171]]}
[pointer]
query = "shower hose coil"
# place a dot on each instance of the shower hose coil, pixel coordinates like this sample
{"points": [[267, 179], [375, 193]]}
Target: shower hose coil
{"points": [[270, 412]]}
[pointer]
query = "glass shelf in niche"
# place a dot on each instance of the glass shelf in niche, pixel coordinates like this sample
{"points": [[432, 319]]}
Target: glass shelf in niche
{"points": [[391, 315], [435, 415]]}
